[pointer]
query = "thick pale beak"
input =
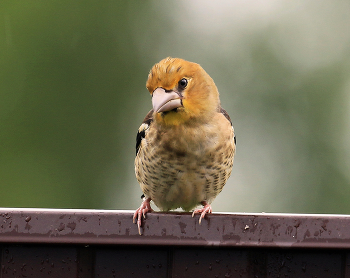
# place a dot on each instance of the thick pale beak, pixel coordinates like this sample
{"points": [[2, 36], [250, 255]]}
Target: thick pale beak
{"points": [[165, 101]]}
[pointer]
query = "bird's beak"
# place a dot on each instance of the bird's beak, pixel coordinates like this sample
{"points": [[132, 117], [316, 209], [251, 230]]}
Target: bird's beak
{"points": [[165, 101]]}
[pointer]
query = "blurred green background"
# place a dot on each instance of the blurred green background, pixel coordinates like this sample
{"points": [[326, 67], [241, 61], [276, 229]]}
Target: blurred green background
{"points": [[72, 96]]}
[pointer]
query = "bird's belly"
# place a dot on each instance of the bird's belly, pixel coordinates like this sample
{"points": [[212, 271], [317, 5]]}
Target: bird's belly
{"points": [[184, 169], [187, 191], [183, 181]]}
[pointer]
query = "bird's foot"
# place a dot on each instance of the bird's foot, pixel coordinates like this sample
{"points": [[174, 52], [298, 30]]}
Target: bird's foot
{"points": [[141, 211], [203, 211]]}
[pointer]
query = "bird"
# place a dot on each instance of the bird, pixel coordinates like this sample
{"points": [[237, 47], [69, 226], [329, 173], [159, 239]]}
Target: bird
{"points": [[186, 144]]}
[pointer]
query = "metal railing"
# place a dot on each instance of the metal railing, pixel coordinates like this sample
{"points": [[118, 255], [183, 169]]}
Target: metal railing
{"points": [[105, 243]]}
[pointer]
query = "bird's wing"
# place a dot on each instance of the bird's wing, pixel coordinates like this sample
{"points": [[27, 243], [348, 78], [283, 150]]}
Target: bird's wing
{"points": [[223, 112], [141, 133]]}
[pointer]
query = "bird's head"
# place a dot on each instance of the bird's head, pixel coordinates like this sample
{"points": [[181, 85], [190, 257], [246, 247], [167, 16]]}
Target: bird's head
{"points": [[182, 92]]}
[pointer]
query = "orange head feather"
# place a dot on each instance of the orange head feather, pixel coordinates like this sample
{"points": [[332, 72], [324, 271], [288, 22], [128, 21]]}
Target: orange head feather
{"points": [[199, 98]]}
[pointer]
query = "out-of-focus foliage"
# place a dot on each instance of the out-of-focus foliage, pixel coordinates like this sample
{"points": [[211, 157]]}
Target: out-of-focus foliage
{"points": [[72, 95]]}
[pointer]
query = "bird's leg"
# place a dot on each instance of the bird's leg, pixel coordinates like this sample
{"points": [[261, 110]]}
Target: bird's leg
{"points": [[142, 210], [203, 211]]}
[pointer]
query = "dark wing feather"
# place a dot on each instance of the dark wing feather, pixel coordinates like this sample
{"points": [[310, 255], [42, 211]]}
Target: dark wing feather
{"points": [[223, 112], [141, 133]]}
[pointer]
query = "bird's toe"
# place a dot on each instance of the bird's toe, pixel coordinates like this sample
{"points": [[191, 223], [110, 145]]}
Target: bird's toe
{"points": [[142, 211], [203, 211]]}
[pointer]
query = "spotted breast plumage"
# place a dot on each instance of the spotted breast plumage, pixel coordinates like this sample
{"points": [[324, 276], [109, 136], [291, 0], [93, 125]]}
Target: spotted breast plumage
{"points": [[186, 144]]}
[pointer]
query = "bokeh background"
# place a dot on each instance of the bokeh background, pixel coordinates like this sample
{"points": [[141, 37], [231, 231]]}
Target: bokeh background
{"points": [[72, 96]]}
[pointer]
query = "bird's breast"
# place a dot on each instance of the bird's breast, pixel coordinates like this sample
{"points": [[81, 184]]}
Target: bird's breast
{"points": [[183, 166]]}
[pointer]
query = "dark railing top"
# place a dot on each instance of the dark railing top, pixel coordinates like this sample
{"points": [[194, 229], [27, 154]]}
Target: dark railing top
{"points": [[115, 227]]}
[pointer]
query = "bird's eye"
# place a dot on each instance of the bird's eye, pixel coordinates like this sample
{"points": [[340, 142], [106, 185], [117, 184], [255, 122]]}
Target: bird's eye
{"points": [[183, 83]]}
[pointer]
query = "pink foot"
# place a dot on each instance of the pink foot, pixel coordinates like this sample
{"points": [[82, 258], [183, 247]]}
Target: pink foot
{"points": [[203, 211], [142, 210]]}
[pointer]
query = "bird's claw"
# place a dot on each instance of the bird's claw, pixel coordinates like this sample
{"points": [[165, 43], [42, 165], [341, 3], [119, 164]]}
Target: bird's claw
{"points": [[203, 211], [141, 211]]}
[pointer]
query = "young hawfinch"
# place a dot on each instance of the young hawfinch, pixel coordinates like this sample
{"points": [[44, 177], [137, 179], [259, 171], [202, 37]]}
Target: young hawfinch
{"points": [[186, 143]]}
